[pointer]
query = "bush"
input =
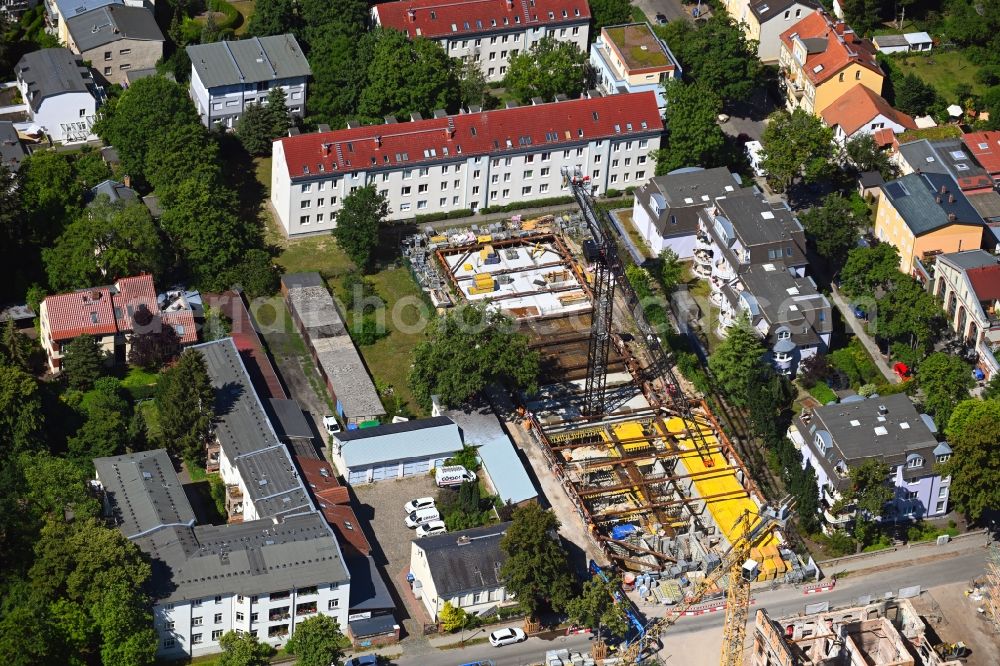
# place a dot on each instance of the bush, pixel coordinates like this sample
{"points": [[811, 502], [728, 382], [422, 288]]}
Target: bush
{"points": [[867, 390], [823, 393], [466, 458], [231, 17], [368, 332], [612, 194], [854, 361], [521, 205], [450, 215], [218, 490]]}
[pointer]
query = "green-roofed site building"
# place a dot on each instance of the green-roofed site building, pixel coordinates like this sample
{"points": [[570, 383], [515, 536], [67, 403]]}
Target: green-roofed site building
{"points": [[631, 58]]}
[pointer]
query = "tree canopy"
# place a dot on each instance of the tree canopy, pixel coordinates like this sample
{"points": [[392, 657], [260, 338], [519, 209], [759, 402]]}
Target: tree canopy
{"points": [[186, 400], [468, 348], [260, 124], [869, 268], [595, 607], [694, 138], [608, 12], [796, 145], [908, 314], [83, 361], [945, 381], [549, 68], [363, 212], [834, 228], [913, 96], [864, 154], [974, 467], [317, 641], [737, 360], [244, 650], [535, 569]]}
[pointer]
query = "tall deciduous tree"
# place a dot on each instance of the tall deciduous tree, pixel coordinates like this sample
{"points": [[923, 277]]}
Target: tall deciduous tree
{"points": [[945, 381], [608, 12], [407, 76], [21, 417], [833, 227], [273, 17], [535, 569], [186, 401], [974, 467], [548, 68], [907, 313], [796, 145], [261, 124], [595, 607], [340, 74], [15, 347], [868, 493], [105, 432], [83, 362], [317, 641], [736, 361], [469, 348], [913, 96], [869, 268], [694, 138], [49, 195], [243, 650], [108, 241], [864, 154], [154, 343], [671, 270], [358, 222]]}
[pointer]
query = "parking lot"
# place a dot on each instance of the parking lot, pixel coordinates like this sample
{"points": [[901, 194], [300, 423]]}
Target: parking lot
{"points": [[380, 506]]}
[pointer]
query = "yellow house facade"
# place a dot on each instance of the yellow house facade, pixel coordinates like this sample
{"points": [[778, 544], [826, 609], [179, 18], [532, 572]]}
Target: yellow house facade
{"points": [[923, 215]]}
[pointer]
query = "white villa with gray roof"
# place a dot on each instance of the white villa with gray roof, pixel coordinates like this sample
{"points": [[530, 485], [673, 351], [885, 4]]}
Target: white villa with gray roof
{"points": [[227, 76]]}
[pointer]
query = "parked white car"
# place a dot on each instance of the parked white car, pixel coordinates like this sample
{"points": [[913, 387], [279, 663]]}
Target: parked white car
{"points": [[507, 636], [331, 424], [422, 516], [453, 475], [419, 503], [431, 528]]}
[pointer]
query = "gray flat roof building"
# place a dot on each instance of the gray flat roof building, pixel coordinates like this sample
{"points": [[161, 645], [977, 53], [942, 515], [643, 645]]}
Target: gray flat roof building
{"points": [[255, 60], [673, 200], [112, 23], [51, 72], [466, 561]]}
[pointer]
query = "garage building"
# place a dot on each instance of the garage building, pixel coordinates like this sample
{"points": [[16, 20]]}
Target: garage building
{"points": [[396, 450]]}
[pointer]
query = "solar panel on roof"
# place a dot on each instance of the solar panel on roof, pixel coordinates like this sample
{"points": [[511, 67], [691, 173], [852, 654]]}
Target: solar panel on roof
{"points": [[896, 190]]}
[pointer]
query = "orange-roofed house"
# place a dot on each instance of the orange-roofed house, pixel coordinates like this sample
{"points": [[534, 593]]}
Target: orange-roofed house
{"points": [[863, 111], [108, 313], [985, 146], [821, 59]]}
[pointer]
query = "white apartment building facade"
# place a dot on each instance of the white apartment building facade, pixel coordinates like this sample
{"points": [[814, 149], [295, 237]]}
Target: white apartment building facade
{"points": [[488, 32], [466, 161]]}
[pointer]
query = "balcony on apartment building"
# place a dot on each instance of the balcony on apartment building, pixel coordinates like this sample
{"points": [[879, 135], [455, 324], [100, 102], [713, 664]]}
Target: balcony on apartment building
{"points": [[212, 454], [702, 241], [234, 504], [723, 270]]}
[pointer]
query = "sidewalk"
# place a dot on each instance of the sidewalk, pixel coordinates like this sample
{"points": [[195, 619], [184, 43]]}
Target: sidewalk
{"points": [[858, 327], [903, 555]]}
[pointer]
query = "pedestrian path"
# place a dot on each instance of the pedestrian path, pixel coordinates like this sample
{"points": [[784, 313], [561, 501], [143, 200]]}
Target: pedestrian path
{"points": [[858, 327]]}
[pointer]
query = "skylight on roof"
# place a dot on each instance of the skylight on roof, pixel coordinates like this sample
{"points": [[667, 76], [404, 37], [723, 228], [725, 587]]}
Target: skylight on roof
{"points": [[793, 307], [792, 291], [984, 146], [880, 430], [730, 188], [930, 158], [818, 68], [768, 268], [688, 200], [454, 28], [767, 215], [904, 426], [705, 197], [962, 166], [855, 423], [957, 155]]}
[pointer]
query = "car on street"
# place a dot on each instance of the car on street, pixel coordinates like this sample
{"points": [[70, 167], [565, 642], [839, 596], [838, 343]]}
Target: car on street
{"points": [[331, 424], [363, 660], [419, 503], [507, 636], [661, 19], [859, 312], [431, 528]]}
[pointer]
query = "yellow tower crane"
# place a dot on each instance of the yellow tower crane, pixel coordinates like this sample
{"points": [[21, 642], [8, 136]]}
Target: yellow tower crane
{"points": [[741, 571]]}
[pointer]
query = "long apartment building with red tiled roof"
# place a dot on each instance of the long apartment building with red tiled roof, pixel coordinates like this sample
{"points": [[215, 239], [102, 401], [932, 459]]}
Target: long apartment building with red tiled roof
{"points": [[488, 32], [467, 161], [108, 313]]}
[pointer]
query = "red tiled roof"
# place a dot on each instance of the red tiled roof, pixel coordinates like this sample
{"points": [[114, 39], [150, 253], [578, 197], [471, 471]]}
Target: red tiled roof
{"points": [[885, 137], [843, 46], [986, 282], [333, 501], [185, 320], [858, 107], [558, 124], [988, 156], [247, 341], [462, 18]]}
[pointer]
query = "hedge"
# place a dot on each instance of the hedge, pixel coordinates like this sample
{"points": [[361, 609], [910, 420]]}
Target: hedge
{"points": [[451, 215], [522, 205], [232, 15]]}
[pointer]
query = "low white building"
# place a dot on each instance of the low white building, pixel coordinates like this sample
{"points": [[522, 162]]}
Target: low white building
{"points": [[462, 568], [488, 32], [227, 76], [395, 450], [467, 161], [60, 92], [863, 111], [910, 42]]}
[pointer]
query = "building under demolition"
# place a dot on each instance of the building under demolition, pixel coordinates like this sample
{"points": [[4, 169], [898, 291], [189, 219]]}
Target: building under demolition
{"points": [[887, 633]]}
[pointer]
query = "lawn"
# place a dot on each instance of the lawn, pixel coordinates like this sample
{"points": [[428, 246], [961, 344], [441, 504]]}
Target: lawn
{"points": [[700, 290], [244, 7], [625, 215], [942, 69]]}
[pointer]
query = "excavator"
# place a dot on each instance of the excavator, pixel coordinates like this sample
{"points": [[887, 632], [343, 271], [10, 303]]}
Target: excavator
{"points": [[736, 565]]}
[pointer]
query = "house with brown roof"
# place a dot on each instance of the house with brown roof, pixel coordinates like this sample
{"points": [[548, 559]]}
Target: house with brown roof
{"points": [[863, 111], [985, 146], [109, 314], [821, 59]]}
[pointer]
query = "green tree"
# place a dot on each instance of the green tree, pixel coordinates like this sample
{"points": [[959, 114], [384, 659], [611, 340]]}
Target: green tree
{"points": [[863, 15], [469, 348], [182, 152], [550, 67], [273, 17], [671, 270], [243, 650], [475, 90], [154, 343], [406, 75], [864, 154], [608, 12], [736, 361], [535, 569], [595, 607], [339, 66], [108, 241], [260, 124], [90, 169], [317, 641], [869, 268], [21, 418], [945, 381], [805, 490], [913, 96], [256, 274], [796, 145], [83, 362], [15, 347], [186, 402], [909, 314], [53, 484], [974, 467], [833, 228], [694, 138], [868, 493], [126, 624], [49, 196], [452, 619], [362, 213]]}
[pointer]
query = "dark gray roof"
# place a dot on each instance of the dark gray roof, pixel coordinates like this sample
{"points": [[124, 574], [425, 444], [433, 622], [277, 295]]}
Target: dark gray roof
{"points": [[786, 300], [51, 72], [12, 153], [248, 61], [969, 259], [870, 179], [133, 75], [673, 200], [915, 198], [883, 41], [112, 23], [466, 561], [115, 191], [765, 10], [144, 492], [756, 221], [377, 625], [289, 420], [247, 437], [413, 425], [368, 590], [987, 204], [946, 156], [857, 430]]}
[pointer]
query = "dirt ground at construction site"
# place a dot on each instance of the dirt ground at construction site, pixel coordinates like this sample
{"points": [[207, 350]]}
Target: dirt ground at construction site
{"points": [[954, 617]]}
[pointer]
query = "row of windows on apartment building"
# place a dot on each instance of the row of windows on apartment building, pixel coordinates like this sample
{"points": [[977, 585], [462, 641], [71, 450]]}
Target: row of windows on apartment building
{"points": [[108, 54], [274, 615], [503, 39]]}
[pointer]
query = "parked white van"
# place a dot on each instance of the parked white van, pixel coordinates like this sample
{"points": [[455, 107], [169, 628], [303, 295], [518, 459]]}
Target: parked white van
{"points": [[452, 475], [422, 516]]}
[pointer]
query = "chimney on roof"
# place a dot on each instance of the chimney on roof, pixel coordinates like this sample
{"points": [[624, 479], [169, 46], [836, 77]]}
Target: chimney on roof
{"points": [[412, 14], [952, 217], [378, 141], [943, 190], [951, 198], [127, 180], [510, 4], [937, 199]]}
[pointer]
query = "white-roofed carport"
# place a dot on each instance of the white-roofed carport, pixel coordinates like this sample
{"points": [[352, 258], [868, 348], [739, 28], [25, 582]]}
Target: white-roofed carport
{"points": [[396, 450]]}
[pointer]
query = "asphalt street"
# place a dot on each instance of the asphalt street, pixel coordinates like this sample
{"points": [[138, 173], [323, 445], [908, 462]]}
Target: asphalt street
{"points": [[783, 602]]}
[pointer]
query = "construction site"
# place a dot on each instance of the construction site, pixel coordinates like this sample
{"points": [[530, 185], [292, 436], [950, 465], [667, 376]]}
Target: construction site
{"points": [[653, 477]]}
